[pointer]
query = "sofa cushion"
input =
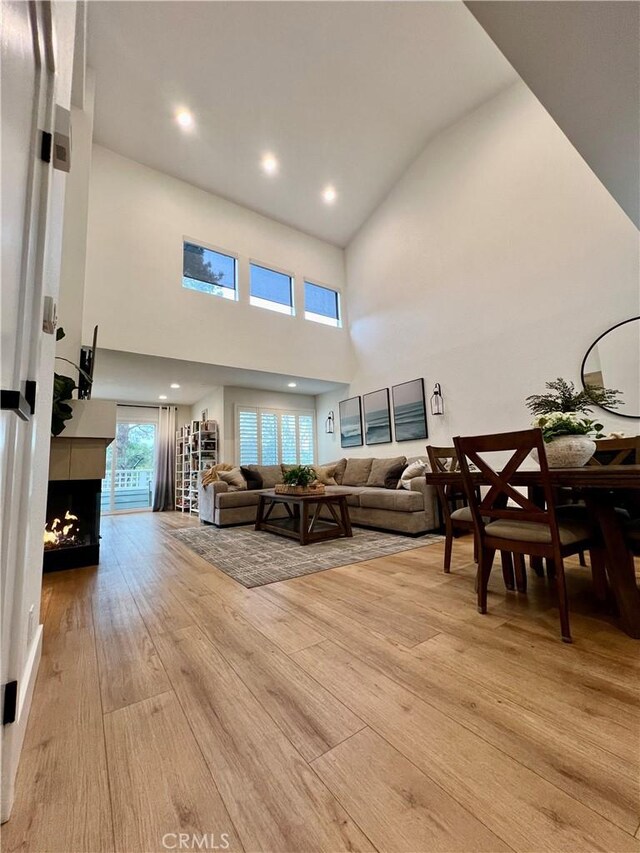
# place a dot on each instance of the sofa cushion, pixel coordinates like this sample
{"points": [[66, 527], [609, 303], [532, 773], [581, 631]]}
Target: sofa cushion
{"points": [[398, 500], [380, 470], [352, 492], [357, 472], [253, 478], [230, 500], [326, 474], [271, 474], [234, 480]]}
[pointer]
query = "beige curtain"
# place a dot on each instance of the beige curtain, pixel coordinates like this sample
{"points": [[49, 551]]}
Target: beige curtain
{"points": [[165, 463]]}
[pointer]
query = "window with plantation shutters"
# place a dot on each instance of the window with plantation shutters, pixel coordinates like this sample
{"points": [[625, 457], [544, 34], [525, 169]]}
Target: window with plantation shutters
{"points": [[272, 436], [248, 436]]}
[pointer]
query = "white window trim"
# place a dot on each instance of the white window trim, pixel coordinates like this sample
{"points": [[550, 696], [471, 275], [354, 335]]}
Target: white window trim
{"points": [[279, 412], [308, 280], [273, 268], [220, 251]]}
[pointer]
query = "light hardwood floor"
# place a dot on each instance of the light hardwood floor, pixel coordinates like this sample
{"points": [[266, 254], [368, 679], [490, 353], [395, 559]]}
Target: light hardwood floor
{"points": [[368, 707]]}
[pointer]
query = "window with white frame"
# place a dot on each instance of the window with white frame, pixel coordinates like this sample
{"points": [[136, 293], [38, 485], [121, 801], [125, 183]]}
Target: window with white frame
{"points": [[208, 271], [271, 289], [321, 304], [272, 436]]}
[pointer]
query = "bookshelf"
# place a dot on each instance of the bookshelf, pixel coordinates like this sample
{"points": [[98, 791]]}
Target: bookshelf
{"points": [[196, 449]]}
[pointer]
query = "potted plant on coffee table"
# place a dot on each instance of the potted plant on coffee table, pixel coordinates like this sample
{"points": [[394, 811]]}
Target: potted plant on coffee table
{"points": [[562, 415], [300, 480]]}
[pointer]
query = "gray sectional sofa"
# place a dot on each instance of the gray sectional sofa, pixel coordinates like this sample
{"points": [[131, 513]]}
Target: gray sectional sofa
{"points": [[410, 511]]}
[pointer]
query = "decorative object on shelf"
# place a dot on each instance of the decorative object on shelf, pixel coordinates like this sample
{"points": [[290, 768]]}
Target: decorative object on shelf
{"points": [[561, 414], [329, 423], [437, 400], [409, 411], [377, 417], [350, 422], [204, 416], [612, 359], [300, 480]]}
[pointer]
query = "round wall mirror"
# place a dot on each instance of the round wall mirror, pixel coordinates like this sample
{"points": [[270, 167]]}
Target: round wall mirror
{"points": [[613, 361]]}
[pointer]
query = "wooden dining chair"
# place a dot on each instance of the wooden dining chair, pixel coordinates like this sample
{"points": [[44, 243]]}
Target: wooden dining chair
{"points": [[617, 451], [505, 518], [458, 519], [455, 519]]}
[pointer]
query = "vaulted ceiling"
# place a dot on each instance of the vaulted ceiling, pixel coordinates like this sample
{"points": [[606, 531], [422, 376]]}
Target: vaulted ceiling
{"points": [[342, 93]]}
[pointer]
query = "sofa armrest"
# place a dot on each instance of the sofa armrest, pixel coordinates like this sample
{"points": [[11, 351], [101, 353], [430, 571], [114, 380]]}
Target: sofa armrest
{"points": [[430, 496], [207, 498]]}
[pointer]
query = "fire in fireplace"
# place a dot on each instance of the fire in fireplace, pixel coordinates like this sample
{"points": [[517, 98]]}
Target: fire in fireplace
{"points": [[72, 530]]}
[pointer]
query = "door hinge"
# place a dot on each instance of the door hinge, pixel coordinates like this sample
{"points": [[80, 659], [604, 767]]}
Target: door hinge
{"points": [[24, 405], [45, 146], [9, 702]]}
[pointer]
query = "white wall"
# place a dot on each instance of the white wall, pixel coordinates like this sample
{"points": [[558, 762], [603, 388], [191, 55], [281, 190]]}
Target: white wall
{"points": [[214, 403], [260, 399], [137, 221], [74, 239], [491, 267]]}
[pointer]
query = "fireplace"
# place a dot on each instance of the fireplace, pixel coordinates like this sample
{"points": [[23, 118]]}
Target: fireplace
{"points": [[72, 530]]}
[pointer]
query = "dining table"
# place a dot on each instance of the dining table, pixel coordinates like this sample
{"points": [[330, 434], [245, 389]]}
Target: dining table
{"points": [[598, 486]]}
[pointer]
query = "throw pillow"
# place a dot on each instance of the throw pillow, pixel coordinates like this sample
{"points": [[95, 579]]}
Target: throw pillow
{"points": [[210, 474], [356, 472], [253, 478], [340, 468], [415, 469], [234, 480], [393, 475], [271, 474], [380, 468], [326, 474]]}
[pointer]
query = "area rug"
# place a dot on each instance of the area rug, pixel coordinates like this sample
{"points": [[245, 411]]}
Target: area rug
{"points": [[255, 558]]}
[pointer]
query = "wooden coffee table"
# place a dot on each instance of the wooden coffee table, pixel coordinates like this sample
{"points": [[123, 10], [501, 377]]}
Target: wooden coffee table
{"points": [[302, 524]]}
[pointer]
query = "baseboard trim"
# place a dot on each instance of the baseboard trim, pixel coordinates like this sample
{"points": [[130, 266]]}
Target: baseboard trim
{"points": [[13, 737]]}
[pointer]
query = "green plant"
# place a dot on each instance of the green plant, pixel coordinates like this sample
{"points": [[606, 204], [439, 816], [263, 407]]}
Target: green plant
{"points": [[564, 397], [556, 424], [300, 475], [63, 388]]}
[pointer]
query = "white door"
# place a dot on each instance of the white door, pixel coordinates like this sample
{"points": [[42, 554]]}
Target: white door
{"points": [[27, 109]]}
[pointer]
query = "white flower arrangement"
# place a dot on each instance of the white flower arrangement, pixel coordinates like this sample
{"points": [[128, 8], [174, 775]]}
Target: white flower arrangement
{"points": [[555, 424]]}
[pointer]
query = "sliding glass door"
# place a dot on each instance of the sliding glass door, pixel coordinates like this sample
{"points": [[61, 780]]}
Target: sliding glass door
{"points": [[128, 482]]}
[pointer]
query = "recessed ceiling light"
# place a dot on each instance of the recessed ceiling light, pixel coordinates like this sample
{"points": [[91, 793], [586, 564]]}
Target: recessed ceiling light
{"points": [[162, 397], [270, 164], [329, 194], [174, 385], [292, 385], [184, 119]]}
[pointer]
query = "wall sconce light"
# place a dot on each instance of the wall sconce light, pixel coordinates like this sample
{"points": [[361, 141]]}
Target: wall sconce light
{"points": [[329, 423], [437, 401]]}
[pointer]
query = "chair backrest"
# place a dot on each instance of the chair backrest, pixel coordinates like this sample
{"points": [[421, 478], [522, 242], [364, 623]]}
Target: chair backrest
{"points": [[494, 504], [443, 459], [617, 451]]}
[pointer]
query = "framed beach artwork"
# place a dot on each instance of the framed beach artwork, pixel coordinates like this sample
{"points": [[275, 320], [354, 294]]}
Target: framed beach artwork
{"points": [[377, 417], [409, 411], [350, 422]]}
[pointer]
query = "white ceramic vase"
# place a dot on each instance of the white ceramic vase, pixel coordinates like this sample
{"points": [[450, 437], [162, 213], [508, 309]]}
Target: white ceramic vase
{"points": [[568, 451]]}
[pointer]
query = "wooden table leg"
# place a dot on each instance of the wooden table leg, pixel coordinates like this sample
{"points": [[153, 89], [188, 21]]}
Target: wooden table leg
{"points": [[344, 515], [304, 523], [619, 561], [536, 495], [260, 512]]}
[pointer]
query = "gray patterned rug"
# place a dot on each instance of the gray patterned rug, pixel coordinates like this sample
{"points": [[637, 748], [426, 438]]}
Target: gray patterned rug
{"points": [[255, 558]]}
